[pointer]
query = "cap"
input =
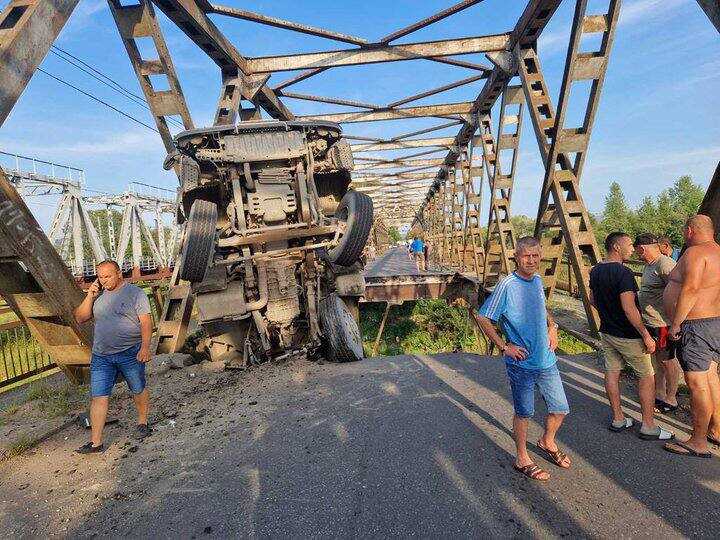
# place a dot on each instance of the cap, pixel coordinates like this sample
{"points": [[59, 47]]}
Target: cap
{"points": [[645, 239]]}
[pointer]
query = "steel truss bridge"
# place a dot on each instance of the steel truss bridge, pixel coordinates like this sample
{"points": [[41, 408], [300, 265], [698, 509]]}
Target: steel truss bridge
{"points": [[441, 196], [82, 242]]}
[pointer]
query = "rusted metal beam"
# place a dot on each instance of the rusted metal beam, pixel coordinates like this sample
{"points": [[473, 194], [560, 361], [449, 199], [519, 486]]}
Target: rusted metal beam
{"points": [[190, 16], [287, 25], [422, 111], [334, 101], [389, 53], [531, 23], [400, 163], [399, 145], [27, 30], [395, 35], [397, 158], [452, 10], [407, 175], [437, 90], [138, 21], [426, 130], [710, 205], [712, 10]]}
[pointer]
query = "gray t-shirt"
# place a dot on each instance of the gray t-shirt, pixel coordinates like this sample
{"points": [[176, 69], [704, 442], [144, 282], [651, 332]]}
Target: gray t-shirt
{"points": [[117, 326], [652, 285]]}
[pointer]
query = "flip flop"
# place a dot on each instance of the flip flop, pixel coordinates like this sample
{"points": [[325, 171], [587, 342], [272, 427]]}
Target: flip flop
{"points": [[627, 425], [713, 440], [661, 435], [558, 457], [531, 471], [684, 450], [664, 407]]}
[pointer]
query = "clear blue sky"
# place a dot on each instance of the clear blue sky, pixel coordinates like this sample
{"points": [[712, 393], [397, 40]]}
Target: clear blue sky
{"points": [[658, 117]]}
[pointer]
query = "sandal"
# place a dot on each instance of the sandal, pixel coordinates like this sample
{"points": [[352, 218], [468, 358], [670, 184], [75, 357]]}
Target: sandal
{"points": [[683, 449], [558, 457], [713, 440], [664, 407], [531, 471], [659, 435], [627, 424]]}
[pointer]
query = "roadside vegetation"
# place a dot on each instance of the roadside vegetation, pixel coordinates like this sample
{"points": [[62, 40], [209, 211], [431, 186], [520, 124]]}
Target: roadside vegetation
{"points": [[432, 326]]}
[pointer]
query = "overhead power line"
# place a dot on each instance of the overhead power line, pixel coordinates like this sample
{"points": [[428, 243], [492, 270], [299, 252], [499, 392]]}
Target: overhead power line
{"points": [[83, 92], [104, 79]]}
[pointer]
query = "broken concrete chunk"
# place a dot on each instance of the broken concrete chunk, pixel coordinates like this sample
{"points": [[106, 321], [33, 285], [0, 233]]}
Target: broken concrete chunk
{"points": [[213, 367], [174, 360]]}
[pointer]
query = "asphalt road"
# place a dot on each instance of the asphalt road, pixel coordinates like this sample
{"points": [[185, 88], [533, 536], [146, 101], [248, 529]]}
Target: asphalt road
{"points": [[394, 262], [387, 447]]}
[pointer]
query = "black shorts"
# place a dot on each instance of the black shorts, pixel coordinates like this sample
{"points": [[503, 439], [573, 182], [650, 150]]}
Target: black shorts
{"points": [[699, 343], [662, 338]]}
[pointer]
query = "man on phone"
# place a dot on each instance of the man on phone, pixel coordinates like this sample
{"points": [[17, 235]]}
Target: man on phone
{"points": [[517, 305], [121, 344]]}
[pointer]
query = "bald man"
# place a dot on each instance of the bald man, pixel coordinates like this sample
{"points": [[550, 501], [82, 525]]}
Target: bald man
{"points": [[692, 302]]}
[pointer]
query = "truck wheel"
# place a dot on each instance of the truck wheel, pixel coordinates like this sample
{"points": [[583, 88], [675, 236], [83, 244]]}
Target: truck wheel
{"points": [[356, 212], [342, 339], [199, 242]]}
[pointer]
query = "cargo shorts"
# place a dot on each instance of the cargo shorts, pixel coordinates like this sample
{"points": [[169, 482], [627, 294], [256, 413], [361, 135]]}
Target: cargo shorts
{"points": [[619, 352]]}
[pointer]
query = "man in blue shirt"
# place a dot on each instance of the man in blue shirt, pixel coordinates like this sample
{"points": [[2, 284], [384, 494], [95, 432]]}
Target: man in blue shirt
{"points": [[418, 253], [517, 306]]}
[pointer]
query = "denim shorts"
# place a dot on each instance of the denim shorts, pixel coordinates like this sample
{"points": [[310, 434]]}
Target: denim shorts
{"points": [[105, 368], [523, 383]]}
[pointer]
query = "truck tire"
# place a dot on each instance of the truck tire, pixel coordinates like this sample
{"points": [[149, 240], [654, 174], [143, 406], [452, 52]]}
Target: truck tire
{"points": [[356, 211], [341, 334], [199, 242]]}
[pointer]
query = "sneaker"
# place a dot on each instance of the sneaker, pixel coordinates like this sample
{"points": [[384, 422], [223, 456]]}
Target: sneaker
{"points": [[143, 430], [90, 449]]}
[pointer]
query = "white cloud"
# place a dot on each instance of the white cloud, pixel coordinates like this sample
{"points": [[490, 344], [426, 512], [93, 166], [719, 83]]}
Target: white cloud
{"points": [[631, 13], [642, 161], [640, 10], [128, 142]]}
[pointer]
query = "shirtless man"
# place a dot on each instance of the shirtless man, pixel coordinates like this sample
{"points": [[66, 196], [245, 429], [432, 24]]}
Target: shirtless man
{"points": [[692, 302]]}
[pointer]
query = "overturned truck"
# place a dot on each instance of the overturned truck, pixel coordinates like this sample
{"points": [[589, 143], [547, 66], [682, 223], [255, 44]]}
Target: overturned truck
{"points": [[273, 239]]}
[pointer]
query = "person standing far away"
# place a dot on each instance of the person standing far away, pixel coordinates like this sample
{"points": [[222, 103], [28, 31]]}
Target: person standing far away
{"points": [[667, 249], [121, 344], [417, 249], [692, 303], [623, 336], [652, 284], [517, 305]]}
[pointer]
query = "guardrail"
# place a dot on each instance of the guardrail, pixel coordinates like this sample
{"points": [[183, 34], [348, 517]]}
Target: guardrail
{"points": [[21, 356]]}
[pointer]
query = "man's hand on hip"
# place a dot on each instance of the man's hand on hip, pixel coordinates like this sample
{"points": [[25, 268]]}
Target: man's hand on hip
{"points": [[515, 352], [143, 355]]}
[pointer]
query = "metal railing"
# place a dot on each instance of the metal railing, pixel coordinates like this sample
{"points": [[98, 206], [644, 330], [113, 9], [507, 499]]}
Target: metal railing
{"points": [[21, 356], [49, 169]]}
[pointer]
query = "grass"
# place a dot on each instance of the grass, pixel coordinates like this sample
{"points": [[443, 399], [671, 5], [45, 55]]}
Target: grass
{"points": [[425, 326], [19, 353], [570, 345], [18, 446], [432, 326], [57, 401]]}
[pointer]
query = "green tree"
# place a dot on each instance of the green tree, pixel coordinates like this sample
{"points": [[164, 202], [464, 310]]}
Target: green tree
{"points": [[616, 215], [394, 234], [646, 217], [523, 225]]}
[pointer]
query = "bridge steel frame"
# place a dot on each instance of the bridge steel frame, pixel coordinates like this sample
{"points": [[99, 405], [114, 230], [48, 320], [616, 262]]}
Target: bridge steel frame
{"points": [[449, 212]]}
